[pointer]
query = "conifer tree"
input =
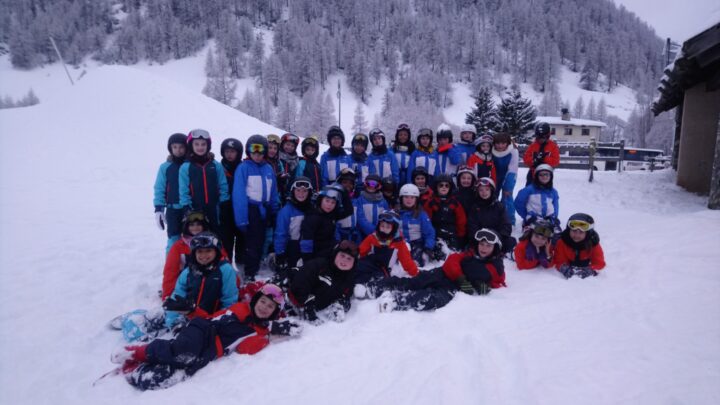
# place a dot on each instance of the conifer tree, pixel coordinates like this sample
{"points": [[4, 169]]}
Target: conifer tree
{"points": [[484, 115], [516, 114]]}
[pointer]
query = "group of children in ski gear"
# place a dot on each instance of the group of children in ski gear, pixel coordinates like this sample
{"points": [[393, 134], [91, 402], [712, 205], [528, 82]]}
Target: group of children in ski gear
{"points": [[350, 224]]}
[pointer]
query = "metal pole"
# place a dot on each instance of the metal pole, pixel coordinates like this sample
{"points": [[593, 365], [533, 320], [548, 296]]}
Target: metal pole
{"points": [[52, 41], [593, 148], [621, 155], [339, 103]]}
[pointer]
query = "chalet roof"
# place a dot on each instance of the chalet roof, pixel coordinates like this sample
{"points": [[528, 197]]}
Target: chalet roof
{"points": [[698, 61], [572, 121]]}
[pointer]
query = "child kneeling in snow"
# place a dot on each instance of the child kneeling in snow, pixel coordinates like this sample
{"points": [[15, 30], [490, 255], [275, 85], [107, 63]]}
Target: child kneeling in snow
{"points": [[243, 327], [535, 247], [578, 252], [325, 284], [473, 272]]}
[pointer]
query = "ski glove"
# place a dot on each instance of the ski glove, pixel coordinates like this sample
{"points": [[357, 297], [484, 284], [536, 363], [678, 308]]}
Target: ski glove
{"points": [[178, 304], [160, 220], [285, 328], [481, 288], [566, 270], [585, 272], [309, 309], [465, 286]]}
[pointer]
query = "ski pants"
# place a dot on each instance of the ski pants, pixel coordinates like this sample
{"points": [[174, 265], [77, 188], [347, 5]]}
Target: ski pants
{"points": [[254, 240]]}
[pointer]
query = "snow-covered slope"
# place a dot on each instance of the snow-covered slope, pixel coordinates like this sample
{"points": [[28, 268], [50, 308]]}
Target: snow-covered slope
{"points": [[78, 246]]}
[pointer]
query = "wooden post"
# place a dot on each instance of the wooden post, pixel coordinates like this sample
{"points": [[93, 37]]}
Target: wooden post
{"points": [[57, 51], [591, 160]]}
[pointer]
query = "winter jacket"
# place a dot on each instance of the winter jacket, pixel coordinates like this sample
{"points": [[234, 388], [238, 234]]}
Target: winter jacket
{"points": [[175, 262], [447, 216], [318, 233], [212, 291], [490, 214], [527, 256], [167, 187], [369, 207], [348, 228], [320, 278], [466, 196], [310, 168], [403, 155], [506, 168], [229, 168], [254, 184], [490, 270], [287, 227], [202, 184], [386, 254], [384, 165], [427, 159], [332, 163], [361, 166], [550, 151], [417, 227], [448, 157], [465, 150], [578, 254], [281, 174], [483, 166], [537, 202]]}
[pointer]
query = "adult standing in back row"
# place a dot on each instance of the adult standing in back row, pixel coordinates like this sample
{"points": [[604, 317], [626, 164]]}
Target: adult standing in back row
{"points": [[542, 151]]}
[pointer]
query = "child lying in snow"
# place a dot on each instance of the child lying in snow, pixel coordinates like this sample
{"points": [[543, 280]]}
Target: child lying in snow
{"points": [[578, 252]]}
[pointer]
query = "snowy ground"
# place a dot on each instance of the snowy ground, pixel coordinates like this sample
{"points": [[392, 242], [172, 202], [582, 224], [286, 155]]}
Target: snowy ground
{"points": [[78, 246]]}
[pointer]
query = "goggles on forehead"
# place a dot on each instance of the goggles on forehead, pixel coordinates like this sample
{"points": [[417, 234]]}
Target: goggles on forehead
{"points": [[195, 217], [403, 126], [199, 134], [443, 185], [488, 236], [577, 224], [360, 138], [257, 148], [373, 184], [203, 241], [389, 217], [274, 292], [302, 184], [543, 230], [376, 132]]}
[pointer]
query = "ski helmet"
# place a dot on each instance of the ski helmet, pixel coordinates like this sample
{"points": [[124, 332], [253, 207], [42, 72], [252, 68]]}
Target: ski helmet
{"points": [[388, 184], [361, 139], [542, 130], [489, 236], [444, 132], [542, 227], [391, 217], [176, 138], [272, 138], [443, 178], [257, 144], [347, 174], [581, 221], [348, 247], [335, 131], [290, 137], [232, 143], [425, 132], [377, 132], [420, 171], [272, 292], [199, 134], [486, 181], [543, 168], [310, 141], [469, 128], [194, 216], [409, 190], [484, 139], [465, 169], [301, 182], [330, 192], [203, 240], [373, 182]]}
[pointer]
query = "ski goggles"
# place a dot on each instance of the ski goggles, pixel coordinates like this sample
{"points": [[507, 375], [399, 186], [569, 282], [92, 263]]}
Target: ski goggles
{"points": [[376, 132], [274, 292], [390, 217], [203, 240], [257, 148], [290, 138], [486, 235], [403, 126], [360, 138], [443, 185], [301, 184], [486, 181], [425, 132], [331, 193], [577, 224], [372, 184], [195, 217], [199, 134], [543, 230], [311, 142], [273, 138]]}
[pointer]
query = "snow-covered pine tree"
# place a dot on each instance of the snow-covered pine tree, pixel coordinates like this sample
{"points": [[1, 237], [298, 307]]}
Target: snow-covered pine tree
{"points": [[257, 58], [516, 114], [578, 110], [589, 76], [286, 117], [484, 115], [360, 124], [591, 110], [219, 85]]}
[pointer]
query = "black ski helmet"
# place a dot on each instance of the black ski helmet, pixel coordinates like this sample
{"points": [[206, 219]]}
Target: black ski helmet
{"points": [[256, 140], [444, 132], [194, 216], [542, 130], [232, 143], [176, 138], [310, 141], [335, 131], [361, 139]]}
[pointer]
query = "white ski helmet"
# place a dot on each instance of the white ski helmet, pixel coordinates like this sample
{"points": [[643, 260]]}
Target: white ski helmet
{"points": [[409, 190], [468, 128]]}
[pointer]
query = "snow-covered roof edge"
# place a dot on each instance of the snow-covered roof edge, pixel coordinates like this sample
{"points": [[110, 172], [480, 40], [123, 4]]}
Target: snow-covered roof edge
{"points": [[572, 121]]}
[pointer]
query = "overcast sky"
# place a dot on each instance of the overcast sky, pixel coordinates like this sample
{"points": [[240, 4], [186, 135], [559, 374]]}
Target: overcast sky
{"points": [[677, 19]]}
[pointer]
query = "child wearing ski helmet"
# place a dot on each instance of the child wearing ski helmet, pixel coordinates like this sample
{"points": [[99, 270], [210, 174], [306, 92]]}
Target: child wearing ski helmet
{"points": [[308, 165], [318, 231], [288, 153], [370, 204], [578, 252], [359, 159], [466, 184], [447, 154], [273, 158], [231, 151], [168, 210], [482, 160], [421, 179], [466, 146], [542, 151], [335, 158], [535, 247], [488, 212], [194, 222], [347, 228], [325, 284], [382, 249], [539, 199], [255, 201], [446, 213], [244, 327], [475, 272], [205, 286], [403, 148], [203, 185], [424, 155], [390, 192], [416, 226], [289, 222], [505, 161], [382, 161]]}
